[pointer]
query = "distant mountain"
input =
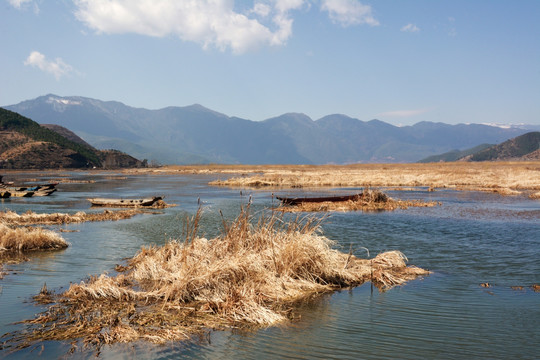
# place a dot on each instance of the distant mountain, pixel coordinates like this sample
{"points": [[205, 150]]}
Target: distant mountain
{"points": [[24, 144], [455, 155], [195, 134], [523, 147]]}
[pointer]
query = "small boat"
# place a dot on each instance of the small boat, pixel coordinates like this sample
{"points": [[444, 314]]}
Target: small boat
{"points": [[22, 191], [17, 191], [299, 200], [148, 202]]}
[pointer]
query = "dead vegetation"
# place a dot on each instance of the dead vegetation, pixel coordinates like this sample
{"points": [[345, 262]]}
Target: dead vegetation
{"points": [[29, 239], [16, 236], [535, 195], [508, 178], [161, 204], [250, 276], [14, 242], [32, 218], [369, 200]]}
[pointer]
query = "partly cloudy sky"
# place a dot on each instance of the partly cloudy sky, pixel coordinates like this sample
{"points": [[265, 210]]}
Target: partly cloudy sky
{"points": [[398, 61]]}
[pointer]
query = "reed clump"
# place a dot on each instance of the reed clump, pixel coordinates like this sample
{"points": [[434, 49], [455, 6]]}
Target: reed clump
{"points": [[160, 204], [535, 195], [29, 239], [369, 200], [31, 218], [250, 276]]}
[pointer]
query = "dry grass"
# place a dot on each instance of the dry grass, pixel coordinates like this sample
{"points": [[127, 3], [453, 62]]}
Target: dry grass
{"points": [[372, 200], [535, 195], [502, 177], [31, 218], [250, 276], [15, 241], [29, 239]]}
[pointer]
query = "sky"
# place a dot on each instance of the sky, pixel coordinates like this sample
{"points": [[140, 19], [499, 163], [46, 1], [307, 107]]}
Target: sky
{"points": [[402, 62]]}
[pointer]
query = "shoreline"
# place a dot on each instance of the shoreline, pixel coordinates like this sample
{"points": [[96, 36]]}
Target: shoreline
{"points": [[506, 178]]}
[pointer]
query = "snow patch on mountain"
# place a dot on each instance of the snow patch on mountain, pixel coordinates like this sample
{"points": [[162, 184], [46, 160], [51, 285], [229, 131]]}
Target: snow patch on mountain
{"points": [[61, 104]]}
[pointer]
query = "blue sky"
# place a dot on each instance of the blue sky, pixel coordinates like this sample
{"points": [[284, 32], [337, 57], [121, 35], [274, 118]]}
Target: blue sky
{"points": [[470, 61]]}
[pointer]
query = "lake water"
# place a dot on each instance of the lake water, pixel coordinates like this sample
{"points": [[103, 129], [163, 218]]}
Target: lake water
{"points": [[472, 238]]}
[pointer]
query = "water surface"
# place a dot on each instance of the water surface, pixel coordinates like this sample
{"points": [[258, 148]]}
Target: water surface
{"points": [[472, 238]]}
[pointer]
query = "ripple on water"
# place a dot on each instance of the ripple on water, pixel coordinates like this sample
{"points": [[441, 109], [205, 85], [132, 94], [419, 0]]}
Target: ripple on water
{"points": [[472, 238]]}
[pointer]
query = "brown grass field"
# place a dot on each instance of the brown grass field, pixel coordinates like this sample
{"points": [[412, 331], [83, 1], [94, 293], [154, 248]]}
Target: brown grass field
{"points": [[507, 178], [504, 177], [251, 276]]}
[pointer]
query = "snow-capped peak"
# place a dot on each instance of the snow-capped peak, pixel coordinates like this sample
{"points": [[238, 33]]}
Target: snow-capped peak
{"points": [[60, 104]]}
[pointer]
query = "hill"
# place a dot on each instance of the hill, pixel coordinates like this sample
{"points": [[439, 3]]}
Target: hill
{"points": [[523, 147], [68, 134], [24, 144], [454, 155], [195, 134]]}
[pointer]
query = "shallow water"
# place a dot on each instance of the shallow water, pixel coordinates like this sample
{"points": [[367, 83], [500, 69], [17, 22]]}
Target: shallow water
{"points": [[472, 238]]}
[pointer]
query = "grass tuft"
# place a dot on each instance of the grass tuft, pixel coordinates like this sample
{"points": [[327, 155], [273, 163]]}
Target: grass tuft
{"points": [[250, 276], [371, 200], [29, 239]]}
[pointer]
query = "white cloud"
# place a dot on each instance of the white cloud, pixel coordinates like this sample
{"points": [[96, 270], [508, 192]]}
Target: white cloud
{"points": [[349, 12], [410, 28], [403, 113], [261, 9], [18, 3], [286, 5], [58, 67], [21, 4], [207, 22]]}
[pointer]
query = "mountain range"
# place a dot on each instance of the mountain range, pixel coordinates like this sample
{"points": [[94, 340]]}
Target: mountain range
{"points": [[195, 134]]}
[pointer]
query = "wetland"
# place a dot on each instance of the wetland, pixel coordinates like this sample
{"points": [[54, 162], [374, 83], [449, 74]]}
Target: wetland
{"points": [[481, 248]]}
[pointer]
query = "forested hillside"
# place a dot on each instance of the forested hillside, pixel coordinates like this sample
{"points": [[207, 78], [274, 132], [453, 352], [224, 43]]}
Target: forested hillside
{"points": [[25, 144]]}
